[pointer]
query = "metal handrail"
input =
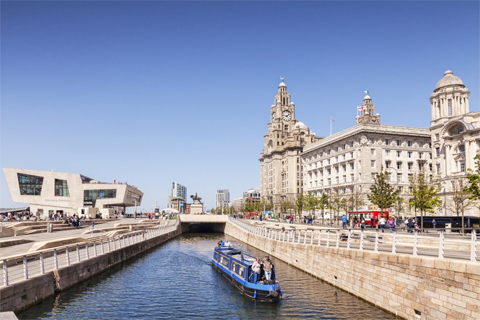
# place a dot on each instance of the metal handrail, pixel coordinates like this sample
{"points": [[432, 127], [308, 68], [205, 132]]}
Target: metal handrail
{"points": [[426, 245], [22, 267]]}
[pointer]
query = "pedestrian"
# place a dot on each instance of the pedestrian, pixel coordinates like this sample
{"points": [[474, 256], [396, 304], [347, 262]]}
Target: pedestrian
{"points": [[362, 223], [344, 222], [434, 223], [382, 223], [267, 267], [355, 221], [291, 219], [256, 270], [391, 224], [410, 225]]}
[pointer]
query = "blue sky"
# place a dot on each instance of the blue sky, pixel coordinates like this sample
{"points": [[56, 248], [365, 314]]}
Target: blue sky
{"points": [[154, 92]]}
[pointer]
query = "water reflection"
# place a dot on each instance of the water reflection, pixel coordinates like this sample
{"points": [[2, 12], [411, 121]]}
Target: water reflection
{"points": [[176, 281]]}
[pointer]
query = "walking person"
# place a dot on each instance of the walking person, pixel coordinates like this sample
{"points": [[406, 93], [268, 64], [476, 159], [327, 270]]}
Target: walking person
{"points": [[344, 222], [382, 223], [434, 224]]}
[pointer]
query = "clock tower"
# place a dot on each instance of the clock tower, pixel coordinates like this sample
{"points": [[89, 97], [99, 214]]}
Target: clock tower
{"points": [[280, 164]]}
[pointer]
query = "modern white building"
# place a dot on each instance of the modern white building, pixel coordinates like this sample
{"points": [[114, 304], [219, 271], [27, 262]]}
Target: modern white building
{"points": [[179, 191], [222, 199], [252, 194], [50, 192]]}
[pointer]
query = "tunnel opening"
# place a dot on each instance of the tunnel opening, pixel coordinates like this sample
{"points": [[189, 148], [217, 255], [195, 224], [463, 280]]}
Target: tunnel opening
{"points": [[203, 227]]}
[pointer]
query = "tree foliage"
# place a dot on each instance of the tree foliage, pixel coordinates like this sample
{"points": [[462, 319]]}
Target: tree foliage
{"points": [[473, 177], [382, 194], [424, 193]]}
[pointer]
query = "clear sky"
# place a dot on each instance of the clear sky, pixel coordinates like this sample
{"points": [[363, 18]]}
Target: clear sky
{"points": [[154, 92]]}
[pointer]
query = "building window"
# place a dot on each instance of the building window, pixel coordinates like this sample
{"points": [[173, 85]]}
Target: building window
{"points": [[30, 185], [461, 148], [399, 177], [409, 143], [329, 171], [336, 149], [387, 141], [387, 164], [352, 165], [351, 153], [387, 153], [344, 167], [93, 195], [372, 141], [336, 169], [420, 166], [343, 157], [410, 165], [462, 166], [399, 154], [373, 176], [438, 168], [61, 188], [372, 164], [344, 178], [372, 151], [399, 165], [437, 136], [409, 154], [437, 152], [420, 155], [328, 161], [352, 177], [351, 144], [399, 142], [450, 107]]}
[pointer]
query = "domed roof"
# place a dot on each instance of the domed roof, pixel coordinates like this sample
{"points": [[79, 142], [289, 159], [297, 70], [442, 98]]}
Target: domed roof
{"points": [[448, 80], [282, 84], [301, 125]]}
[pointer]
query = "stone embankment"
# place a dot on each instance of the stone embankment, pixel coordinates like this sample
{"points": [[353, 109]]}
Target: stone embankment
{"points": [[22, 294], [411, 287]]}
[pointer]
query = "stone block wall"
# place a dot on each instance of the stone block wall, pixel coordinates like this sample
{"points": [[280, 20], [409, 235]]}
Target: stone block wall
{"points": [[412, 287]]}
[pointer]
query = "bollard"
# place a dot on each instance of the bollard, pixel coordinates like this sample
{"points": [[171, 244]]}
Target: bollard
{"points": [[319, 237], [114, 244], [108, 245], [348, 239], [67, 256], [86, 250], [311, 238], [376, 240], [473, 246], [415, 244], [5, 273], [441, 244], [394, 243], [55, 259], [103, 248], [338, 239], [25, 267], [95, 248], [328, 238], [361, 240], [78, 253], [42, 264], [305, 237]]}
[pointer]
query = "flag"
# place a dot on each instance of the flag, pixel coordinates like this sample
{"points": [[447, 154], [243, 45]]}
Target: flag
{"points": [[360, 108], [331, 119]]}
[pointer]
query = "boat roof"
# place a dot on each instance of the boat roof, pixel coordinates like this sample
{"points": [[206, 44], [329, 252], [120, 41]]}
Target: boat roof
{"points": [[236, 255]]}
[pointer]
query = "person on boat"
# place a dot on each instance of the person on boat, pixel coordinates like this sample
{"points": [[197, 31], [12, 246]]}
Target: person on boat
{"points": [[227, 244], [268, 266], [256, 267]]}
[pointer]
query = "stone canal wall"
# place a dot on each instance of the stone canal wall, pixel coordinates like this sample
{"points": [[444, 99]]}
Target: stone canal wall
{"points": [[21, 295], [411, 287]]}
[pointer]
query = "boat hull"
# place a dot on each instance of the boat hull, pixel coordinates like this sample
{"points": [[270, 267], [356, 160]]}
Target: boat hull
{"points": [[250, 290]]}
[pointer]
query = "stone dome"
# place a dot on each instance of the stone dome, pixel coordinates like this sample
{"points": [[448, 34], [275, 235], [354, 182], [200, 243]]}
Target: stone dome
{"points": [[448, 80], [282, 84], [300, 125]]}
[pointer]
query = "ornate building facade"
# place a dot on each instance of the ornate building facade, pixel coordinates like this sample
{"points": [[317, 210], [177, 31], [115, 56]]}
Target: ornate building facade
{"points": [[280, 166], [455, 134], [346, 162], [295, 162]]}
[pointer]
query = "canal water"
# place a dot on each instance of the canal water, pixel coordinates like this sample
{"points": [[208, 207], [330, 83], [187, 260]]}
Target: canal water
{"points": [[176, 281]]}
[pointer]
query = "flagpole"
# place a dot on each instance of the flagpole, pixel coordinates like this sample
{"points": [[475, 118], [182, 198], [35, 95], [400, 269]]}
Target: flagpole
{"points": [[330, 125]]}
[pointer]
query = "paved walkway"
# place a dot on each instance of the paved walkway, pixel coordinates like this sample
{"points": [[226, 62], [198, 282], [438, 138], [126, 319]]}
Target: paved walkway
{"points": [[46, 236]]}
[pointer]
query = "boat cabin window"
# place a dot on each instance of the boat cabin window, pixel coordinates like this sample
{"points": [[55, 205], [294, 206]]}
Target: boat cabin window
{"points": [[215, 256], [224, 261]]}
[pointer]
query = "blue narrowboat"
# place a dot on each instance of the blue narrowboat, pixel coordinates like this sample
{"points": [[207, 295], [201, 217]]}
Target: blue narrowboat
{"points": [[237, 268]]}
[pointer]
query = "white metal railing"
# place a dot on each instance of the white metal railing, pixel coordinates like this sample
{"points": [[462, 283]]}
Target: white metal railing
{"points": [[434, 245], [22, 267]]}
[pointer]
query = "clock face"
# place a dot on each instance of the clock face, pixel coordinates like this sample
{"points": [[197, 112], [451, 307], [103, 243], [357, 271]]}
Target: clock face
{"points": [[286, 115], [273, 116]]}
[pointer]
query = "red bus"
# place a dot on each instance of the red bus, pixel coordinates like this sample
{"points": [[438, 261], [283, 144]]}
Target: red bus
{"points": [[370, 216]]}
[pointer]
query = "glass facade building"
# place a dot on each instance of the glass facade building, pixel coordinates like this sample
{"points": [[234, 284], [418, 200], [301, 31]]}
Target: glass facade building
{"points": [[30, 185]]}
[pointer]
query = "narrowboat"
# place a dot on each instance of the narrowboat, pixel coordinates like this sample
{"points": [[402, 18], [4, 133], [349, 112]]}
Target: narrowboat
{"points": [[237, 268]]}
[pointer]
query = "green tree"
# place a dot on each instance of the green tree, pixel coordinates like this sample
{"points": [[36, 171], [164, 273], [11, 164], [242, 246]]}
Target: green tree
{"points": [[299, 204], [337, 203], [355, 198], [382, 194], [311, 203], [322, 204], [424, 194], [461, 198], [473, 177]]}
